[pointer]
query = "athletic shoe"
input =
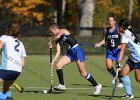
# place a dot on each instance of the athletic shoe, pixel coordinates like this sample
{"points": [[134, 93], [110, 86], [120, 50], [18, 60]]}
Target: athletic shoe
{"points": [[113, 80], [60, 87], [8, 94], [120, 85], [97, 89], [127, 96], [9, 98]]}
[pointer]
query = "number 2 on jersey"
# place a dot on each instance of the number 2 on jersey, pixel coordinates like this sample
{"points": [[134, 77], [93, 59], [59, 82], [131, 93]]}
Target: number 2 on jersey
{"points": [[17, 45]]}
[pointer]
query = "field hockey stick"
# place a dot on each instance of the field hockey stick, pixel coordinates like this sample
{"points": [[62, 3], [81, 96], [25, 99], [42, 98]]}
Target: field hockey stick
{"points": [[19, 88], [51, 70], [118, 66], [89, 44]]}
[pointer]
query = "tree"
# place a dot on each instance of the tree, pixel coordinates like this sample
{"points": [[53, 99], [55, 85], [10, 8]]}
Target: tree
{"points": [[87, 8], [131, 3], [29, 11]]}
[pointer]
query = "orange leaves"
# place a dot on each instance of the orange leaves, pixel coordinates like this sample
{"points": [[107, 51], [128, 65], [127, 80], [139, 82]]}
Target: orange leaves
{"points": [[31, 2], [27, 8], [39, 16]]}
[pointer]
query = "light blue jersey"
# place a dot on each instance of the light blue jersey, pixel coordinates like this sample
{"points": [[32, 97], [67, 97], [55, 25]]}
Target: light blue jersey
{"points": [[12, 53], [129, 38]]}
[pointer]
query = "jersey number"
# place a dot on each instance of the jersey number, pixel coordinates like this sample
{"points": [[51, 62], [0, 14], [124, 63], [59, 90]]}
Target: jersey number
{"points": [[17, 45], [112, 43]]}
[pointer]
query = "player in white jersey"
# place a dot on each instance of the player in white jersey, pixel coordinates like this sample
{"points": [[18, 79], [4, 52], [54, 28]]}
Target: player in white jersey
{"points": [[130, 40], [13, 54]]}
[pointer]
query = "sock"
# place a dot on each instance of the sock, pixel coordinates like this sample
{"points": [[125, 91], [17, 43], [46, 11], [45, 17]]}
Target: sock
{"points": [[91, 80], [120, 76], [127, 85], [112, 71], [60, 76], [2, 96], [8, 94]]}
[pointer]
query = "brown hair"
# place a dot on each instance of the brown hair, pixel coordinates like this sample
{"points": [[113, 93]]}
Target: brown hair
{"points": [[13, 29], [112, 15]]}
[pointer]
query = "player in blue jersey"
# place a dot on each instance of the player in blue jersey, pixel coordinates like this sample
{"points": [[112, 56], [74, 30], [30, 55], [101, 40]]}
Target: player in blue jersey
{"points": [[74, 54], [13, 54], [130, 40], [112, 37]]}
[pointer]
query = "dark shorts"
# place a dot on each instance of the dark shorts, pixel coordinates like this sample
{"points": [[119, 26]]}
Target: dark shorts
{"points": [[132, 64], [76, 54], [9, 75], [113, 53]]}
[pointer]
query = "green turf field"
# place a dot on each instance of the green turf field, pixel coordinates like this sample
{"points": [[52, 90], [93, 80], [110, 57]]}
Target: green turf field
{"points": [[35, 78]]}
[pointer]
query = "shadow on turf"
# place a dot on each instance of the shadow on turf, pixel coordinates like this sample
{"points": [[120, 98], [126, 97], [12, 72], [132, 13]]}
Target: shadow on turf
{"points": [[106, 96], [88, 85], [35, 91]]}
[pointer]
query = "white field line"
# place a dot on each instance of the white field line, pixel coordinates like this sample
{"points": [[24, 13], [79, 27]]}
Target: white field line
{"points": [[70, 88]]}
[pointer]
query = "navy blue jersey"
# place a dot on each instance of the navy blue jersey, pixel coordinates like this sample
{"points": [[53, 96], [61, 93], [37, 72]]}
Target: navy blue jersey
{"points": [[113, 38], [68, 41]]}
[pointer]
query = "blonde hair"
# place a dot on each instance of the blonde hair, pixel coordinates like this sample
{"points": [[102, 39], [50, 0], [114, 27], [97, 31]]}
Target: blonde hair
{"points": [[53, 26]]}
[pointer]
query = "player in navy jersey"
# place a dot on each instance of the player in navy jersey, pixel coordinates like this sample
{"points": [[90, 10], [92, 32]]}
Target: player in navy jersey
{"points": [[112, 37], [13, 59], [74, 54], [130, 40]]}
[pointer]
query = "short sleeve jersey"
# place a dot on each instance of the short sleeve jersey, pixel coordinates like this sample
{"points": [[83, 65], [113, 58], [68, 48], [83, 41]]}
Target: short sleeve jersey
{"points": [[12, 53], [128, 38]]}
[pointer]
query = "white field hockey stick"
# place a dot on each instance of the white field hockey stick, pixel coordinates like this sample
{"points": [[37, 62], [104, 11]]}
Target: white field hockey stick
{"points": [[118, 66]]}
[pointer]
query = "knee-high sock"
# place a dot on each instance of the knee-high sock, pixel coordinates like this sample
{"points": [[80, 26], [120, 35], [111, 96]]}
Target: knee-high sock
{"points": [[60, 76], [91, 80], [127, 84], [112, 71]]}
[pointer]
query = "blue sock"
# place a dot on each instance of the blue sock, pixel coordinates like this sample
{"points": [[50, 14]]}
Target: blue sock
{"points": [[127, 85], [8, 94], [2, 96]]}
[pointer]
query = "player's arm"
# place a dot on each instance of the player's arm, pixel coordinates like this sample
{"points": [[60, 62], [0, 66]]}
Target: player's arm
{"points": [[1, 44], [23, 62], [123, 47], [99, 44], [57, 36], [120, 33], [58, 51]]}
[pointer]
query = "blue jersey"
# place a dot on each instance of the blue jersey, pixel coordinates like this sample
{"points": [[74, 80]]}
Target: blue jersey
{"points": [[74, 51], [113, 41], [113, 38]]}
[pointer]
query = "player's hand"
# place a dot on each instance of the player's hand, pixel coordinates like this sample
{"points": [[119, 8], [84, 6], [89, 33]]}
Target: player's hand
{"points": [[50, 44], [119, 46], [97, 45], [51, 65], [118, 65]]}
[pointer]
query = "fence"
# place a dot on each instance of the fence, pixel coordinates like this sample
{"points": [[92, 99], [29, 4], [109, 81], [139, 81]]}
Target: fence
{"points": [[36, 41]]}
